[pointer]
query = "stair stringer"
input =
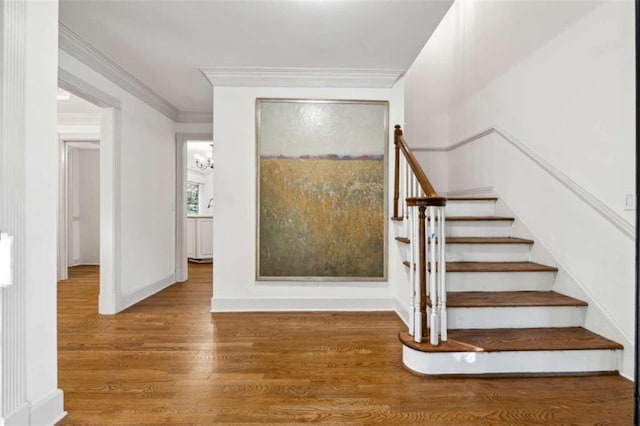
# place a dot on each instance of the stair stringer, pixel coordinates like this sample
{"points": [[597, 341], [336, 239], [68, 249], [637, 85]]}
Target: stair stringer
{"points": [[596, 320]]}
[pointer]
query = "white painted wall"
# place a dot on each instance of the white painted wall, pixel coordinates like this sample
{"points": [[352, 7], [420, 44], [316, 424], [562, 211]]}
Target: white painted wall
{"points": [[147, 190], [559, 77], [206, 194], [41, 192], [235, 212]]}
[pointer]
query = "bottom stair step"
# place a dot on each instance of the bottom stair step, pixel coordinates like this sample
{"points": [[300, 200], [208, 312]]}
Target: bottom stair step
{"points": [[571, 350]]}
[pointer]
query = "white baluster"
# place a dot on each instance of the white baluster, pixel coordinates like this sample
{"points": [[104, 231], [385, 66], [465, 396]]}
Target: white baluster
{"points": [[412, 325], [415, 285], [403, 187], [442, 293], [432, 277]]}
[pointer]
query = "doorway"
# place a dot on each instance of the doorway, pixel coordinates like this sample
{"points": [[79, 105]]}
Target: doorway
{"points": [[79, 183], [100, 123], [201, 200], [82, 202]]}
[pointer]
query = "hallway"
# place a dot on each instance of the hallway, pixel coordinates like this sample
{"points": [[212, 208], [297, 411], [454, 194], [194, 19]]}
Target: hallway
{"points": [[168, 360]]}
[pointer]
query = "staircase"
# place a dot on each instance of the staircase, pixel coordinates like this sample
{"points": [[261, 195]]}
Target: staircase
{"points": [[503, 315]]}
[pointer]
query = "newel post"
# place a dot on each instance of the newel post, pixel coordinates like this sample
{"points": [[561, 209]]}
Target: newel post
{"points": [[422, 265], [396, 172]]}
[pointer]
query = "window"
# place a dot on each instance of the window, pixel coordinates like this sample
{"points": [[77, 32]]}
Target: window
{"points": [[193, 197]]}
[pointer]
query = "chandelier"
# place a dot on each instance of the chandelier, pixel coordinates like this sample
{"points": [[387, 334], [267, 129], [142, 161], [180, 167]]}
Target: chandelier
{"points": [[203, 162]]}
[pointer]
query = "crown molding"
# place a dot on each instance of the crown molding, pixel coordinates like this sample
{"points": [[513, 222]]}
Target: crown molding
{"points": [[80, 49], [194, 117], [302, 77]]}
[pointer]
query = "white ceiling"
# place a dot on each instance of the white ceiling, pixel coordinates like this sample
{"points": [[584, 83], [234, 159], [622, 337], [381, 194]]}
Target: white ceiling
{"points": [[165, 43]]}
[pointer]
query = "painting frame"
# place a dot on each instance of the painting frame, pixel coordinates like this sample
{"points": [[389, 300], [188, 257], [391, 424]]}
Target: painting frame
{"points": [[260, 107]]}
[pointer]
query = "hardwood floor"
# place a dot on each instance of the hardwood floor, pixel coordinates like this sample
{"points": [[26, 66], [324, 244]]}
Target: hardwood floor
{"points": [[168, 360]]}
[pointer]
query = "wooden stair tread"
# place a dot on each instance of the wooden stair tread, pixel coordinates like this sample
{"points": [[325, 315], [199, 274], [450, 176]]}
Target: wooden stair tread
{"points": [[498, 267], [479, 218], [472, 198], [477, 240], [514, 339], [478, 299], [488, 240], [494, 267]]}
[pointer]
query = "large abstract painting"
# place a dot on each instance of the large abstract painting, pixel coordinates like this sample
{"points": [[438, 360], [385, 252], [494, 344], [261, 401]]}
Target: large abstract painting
{"points": [[321, 189]]}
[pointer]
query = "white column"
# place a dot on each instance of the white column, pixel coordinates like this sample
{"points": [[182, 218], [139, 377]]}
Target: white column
{"points": [[13, 390]]}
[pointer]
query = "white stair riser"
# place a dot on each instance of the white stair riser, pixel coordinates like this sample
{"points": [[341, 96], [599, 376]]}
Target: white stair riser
{"points": [[500, 281], [488, 252], [478, 228], [516, 317], [510, 362], [470, 208]]}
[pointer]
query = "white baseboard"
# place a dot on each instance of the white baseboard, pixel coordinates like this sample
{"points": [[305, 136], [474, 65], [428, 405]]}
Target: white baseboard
{"points": [[300, 304], [19, 417], [139, 295], [49, 410]]}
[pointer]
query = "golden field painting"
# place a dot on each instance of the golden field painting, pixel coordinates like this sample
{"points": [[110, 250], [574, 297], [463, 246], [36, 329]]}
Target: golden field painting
{"points": [[321, 190], [321, 217]]}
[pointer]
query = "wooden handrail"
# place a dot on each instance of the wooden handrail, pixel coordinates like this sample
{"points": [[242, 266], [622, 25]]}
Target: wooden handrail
{"points": [[401, 144], [430, 205]]}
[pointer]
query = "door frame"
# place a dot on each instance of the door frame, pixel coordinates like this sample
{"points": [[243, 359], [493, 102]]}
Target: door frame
{"points": [[110, 297], [64, 139]]}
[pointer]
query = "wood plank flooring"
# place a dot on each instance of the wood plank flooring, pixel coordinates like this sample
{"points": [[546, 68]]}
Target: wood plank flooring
{"points": [[168, 360]]}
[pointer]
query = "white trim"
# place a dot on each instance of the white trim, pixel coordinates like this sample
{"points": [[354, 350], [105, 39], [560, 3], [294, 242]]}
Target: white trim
{"points": [[84, 118], [147, 291], [19, 417], [49, 410], [86, 91], [606, 212], [63, 261], [79, 48], [80, 137], [13, 205], [300, 304], [302, 77], [110, 211], [194, 117], [563, 361]]}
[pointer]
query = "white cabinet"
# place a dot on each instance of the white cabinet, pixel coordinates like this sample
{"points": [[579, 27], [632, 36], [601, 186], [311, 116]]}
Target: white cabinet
{"points": [[200, 237], [204, 243]]}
